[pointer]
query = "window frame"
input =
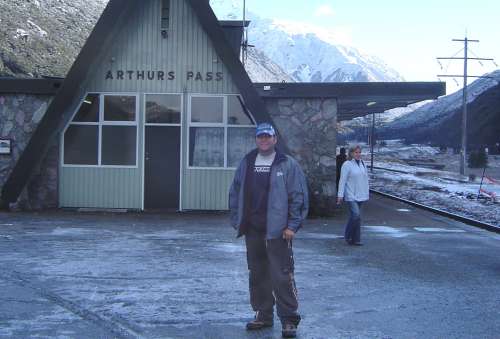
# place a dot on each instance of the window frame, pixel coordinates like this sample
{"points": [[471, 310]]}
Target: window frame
{"points": [[100, 123], [224, 124]]}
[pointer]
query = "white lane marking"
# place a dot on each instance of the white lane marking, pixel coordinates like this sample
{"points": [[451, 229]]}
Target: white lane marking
{"points": [[403, 210], [437, 229], [390, 231], [6, 224]]}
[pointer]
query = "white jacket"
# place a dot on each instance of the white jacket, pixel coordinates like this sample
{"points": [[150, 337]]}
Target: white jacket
{"points": [[353, 185]]}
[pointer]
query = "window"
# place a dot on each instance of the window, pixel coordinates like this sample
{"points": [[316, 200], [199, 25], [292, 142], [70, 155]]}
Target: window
{"points": [[207, 109], [240, 141], [119, 108], [221, 131], [119, 145], [237, 114], [207, 146], [81, 145], [103, 132], [89, 109], [163, 108]]}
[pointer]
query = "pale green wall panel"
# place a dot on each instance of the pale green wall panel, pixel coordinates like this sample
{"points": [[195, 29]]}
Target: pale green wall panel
{"points": [[206, 189], [100, 187]]}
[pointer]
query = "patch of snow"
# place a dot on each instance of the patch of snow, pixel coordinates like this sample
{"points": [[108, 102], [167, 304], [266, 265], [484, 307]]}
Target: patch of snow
{"points": [[21, 33], [441, 189], [437, 229], [42, 33], [69, 231], [391, 231]]}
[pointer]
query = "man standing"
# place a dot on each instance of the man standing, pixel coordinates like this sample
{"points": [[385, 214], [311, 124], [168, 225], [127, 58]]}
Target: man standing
{"points": [[340, 159], [268, 201]]}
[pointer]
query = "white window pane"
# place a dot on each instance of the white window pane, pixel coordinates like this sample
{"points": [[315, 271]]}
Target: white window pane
{"points": [[206, 147], [80, 145], [163, 108], [207, 109], [119, 108], [240, 141], [119, 145], [236, 114]]}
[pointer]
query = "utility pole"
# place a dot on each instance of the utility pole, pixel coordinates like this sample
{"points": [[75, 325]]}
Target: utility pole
{"points": [[463, 151], [372, 142]]}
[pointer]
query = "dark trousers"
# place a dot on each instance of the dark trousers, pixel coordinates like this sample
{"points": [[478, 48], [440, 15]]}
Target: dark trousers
{"points": [[271, 278], [353, 227]]}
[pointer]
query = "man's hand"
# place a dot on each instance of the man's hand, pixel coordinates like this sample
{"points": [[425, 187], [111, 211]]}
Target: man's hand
{"points": [[339, 200], [288, 234]]}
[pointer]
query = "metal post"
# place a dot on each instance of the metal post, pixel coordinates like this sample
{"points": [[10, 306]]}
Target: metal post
{"points": [[481, 185], [372, 140], [245, 38], [463, 155]]}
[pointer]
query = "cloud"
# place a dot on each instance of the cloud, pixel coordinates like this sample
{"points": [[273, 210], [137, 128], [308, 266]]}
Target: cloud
{"points": [[324, 10]]}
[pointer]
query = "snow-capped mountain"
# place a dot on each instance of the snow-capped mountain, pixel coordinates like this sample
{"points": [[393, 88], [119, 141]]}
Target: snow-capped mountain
{"points": [[306, 53], [262, 69]]}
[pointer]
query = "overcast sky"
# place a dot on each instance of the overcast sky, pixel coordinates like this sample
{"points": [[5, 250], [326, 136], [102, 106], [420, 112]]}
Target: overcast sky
{"points": [[408, 35]]}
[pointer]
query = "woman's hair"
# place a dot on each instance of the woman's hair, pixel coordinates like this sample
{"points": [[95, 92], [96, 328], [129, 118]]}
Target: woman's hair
{"points": [[352, 150]]}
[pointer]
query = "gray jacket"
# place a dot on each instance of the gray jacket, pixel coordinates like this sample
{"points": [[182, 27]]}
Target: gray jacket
{"points": [[288, 199]]}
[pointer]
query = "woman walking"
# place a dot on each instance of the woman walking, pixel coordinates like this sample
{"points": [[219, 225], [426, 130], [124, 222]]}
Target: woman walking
{"points": [[353, 188]]}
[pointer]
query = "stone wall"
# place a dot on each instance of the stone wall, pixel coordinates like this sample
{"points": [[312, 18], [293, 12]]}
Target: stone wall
{"points": [[309, 128], [19, 117]]}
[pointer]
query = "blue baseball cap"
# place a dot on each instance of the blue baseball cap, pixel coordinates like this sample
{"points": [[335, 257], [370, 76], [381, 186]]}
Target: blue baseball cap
{"points": [[265, 128]]}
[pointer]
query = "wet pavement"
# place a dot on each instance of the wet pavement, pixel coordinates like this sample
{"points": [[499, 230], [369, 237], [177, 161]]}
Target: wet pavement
{"points": [[84, 275]]}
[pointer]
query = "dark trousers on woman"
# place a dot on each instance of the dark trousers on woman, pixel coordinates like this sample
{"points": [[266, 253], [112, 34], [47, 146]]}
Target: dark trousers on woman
{"points": [[353, 227], [271, 278]]}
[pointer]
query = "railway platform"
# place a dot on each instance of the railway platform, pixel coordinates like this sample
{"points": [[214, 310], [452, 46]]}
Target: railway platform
{"points": [[99, 275]]}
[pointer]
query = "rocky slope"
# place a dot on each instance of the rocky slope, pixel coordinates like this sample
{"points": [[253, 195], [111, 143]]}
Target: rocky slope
{"points": [[440, 121], [43, 37]]}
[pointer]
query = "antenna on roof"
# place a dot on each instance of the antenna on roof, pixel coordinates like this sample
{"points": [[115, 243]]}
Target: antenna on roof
{"points": [[245, 45], [244, 51]]}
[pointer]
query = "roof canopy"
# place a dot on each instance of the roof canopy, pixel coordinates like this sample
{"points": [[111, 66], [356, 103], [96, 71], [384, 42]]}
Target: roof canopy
{"points": [[356, 99]]}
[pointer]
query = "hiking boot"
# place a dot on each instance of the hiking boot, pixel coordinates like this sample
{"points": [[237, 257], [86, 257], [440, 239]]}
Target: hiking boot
{"points": [[259, 322], [289, 330]]}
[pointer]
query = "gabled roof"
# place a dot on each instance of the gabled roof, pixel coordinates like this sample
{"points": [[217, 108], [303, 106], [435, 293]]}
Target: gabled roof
{"points": [[52, 120]]}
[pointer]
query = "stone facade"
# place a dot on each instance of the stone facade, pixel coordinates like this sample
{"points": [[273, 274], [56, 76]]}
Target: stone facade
{"points": [[19, 117], [308, 126]]}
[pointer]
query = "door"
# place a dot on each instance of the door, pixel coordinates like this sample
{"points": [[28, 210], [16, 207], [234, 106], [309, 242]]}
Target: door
{"points": [[162, 147], [162, 167]]}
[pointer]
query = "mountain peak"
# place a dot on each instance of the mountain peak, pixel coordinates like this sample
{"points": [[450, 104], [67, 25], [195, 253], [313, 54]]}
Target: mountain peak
{"points": [[306, 52]]}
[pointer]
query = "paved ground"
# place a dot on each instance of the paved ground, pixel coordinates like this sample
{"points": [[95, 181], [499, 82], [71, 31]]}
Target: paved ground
{"points": [[68, 275]]}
